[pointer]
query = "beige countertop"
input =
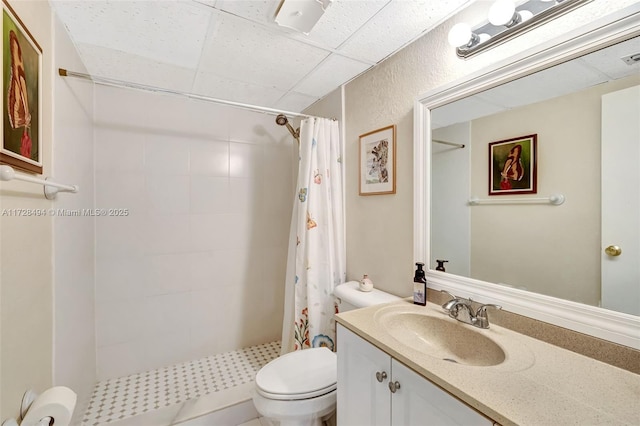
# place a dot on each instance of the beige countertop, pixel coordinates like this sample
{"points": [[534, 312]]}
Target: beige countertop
{"points": [[536, 384]]}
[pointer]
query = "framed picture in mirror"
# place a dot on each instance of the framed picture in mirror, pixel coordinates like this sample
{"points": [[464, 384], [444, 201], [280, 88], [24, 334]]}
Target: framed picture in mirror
{"points": [[512, 166], [378, 161]]}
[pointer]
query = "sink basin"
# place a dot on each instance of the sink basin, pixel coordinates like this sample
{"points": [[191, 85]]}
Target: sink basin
{"points": [[444, 338]]}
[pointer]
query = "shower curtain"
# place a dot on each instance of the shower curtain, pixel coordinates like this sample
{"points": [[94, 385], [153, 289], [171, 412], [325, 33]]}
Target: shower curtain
{"points": [[316, 258]]}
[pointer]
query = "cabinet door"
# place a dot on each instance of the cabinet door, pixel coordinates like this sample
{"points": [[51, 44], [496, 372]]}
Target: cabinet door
{"points": [[420, 402], [362, 399]]}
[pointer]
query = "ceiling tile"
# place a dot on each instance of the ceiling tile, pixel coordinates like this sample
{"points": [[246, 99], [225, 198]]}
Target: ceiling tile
{"points": [[609, 60], [556, 81], [124, 66], [295, 102], [166, 31], [333, 72], [256, 10], [245, 92], [341, 20], [243, 51], [463, 110], [395, 25]]}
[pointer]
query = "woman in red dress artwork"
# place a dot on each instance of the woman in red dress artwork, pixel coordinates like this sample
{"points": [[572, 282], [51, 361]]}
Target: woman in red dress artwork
{"points": [[513, 169], [17, 102]]}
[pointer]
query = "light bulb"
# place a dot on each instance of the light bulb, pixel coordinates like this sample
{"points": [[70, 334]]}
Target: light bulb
{"points": [[502, 12], [525, 15], [6, 173], [460, 35]]}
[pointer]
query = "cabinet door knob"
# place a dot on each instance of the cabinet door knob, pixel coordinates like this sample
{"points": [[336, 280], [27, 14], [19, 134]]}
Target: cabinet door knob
{"points": [[394, 386], [380, 376]]}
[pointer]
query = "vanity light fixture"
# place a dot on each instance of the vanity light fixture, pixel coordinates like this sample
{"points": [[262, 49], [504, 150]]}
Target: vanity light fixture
{"points": [[507, 19]]}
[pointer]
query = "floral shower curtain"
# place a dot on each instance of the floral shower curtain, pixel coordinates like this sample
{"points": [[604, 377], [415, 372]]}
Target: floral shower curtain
{"points": [[316, 261]]}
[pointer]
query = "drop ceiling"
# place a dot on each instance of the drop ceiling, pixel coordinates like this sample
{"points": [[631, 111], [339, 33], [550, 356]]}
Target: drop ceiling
{"points": [[595, 68], [234, 50]]}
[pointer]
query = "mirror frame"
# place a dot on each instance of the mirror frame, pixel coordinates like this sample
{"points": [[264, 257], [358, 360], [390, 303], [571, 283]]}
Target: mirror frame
{"points": [[592, 320]]}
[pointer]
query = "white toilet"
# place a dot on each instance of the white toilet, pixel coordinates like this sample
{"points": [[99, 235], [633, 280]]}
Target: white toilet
{"points": [[299, 388]]}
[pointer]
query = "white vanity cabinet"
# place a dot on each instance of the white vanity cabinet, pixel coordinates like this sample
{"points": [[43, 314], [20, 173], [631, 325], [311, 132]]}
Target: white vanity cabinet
{"points": [[365, 396]]}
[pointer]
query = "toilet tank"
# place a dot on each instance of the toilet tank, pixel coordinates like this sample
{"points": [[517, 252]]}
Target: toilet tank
{"points": [[349, 297]]}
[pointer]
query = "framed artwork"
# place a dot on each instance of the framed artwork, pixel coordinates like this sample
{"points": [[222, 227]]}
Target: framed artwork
{"points": [[378, 161], [512, 166], [21, 101]]}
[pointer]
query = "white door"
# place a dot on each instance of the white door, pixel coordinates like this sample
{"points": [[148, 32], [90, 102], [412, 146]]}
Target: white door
{"points": [[364, 371], [621, 200], [420, 402]]}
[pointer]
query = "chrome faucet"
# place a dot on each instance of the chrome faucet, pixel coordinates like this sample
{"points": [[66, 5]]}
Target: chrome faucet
{"points": [[460, 309]]}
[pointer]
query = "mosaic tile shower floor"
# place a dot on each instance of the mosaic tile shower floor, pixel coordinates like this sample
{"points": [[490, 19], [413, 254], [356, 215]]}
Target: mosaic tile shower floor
{"points": [[123, 397]]}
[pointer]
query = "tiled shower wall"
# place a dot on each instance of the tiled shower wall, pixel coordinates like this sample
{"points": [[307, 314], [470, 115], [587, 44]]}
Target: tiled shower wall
{"points": [[194, 263]]}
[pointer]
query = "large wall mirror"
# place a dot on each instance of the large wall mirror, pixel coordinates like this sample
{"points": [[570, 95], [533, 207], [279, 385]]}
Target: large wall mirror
{"points": [[552, 260]]}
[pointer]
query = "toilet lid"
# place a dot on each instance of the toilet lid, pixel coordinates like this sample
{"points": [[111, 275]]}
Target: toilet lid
{"points": [[299, 375]]}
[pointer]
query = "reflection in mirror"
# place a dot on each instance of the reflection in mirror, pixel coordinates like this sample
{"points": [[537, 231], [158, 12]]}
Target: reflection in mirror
{"points": [[578, 110]]}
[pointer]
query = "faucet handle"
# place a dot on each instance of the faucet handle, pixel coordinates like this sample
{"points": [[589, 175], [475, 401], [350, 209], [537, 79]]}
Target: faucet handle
{"points": [[453, 296], [482, 320], [483, 308]]}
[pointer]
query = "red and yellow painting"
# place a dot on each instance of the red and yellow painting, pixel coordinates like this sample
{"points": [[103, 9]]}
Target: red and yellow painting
{"points": [[21, 73], [512, 166]]}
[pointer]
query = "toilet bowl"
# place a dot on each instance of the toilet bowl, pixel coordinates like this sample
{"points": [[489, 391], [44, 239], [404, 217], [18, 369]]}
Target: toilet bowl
{"points": [[299, 388]]}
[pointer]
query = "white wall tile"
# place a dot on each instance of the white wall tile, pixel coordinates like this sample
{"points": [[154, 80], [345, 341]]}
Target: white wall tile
{"points": [[119, 237], [210, 195], [122, 359], [167, 273], [244, 195], [204, 270], [166, 349], [245, 160], [231, 266], [119, 321], [205, 310], [119, 278], [121, 190], [166, 234], [166, 155], [207, 119], [167, 194], [209, 158], [204, 341], [118, 149], [166, 313]]}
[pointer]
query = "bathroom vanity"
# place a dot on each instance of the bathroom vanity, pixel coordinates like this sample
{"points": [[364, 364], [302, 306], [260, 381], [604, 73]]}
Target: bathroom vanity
{"points": [[377, 389], [403, 364]]}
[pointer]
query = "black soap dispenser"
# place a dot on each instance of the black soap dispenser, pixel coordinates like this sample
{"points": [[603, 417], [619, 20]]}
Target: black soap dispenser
{"points": [[440, 266], [419, 286]]}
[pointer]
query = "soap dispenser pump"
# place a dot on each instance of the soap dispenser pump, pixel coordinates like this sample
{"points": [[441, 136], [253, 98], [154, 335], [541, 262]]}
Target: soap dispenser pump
{"points": [[419, 286]]}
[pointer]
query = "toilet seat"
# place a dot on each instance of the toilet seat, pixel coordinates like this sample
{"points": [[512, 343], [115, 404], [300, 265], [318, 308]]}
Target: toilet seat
{"points": [[299, 375]]}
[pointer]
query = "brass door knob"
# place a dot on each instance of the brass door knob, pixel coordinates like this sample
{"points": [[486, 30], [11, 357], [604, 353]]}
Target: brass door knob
{"points": [[613, 251]]}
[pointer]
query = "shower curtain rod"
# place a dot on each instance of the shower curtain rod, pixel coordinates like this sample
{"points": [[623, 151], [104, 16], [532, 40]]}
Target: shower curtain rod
{"points": [[458, 145], [126, 84]]}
